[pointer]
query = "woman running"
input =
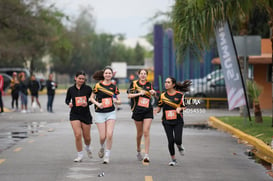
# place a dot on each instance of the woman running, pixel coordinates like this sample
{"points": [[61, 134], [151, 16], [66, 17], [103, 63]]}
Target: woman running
{"points": [[77, 98], [140, 92], [172, 102], [105, 113]]}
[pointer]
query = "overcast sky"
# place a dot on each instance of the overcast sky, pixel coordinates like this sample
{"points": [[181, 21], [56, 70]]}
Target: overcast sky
{"points": [[118, 16]]}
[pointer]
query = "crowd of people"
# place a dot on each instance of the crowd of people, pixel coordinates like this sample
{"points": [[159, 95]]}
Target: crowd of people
{"points": [[21, 86], [105, 97]]}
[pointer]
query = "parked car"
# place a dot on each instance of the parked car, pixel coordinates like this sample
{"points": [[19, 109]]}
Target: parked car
{"points": [[7, 80], [213, 88], [213, 75]]}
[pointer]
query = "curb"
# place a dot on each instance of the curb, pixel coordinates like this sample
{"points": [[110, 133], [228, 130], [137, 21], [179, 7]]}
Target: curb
{"points": [[262, 151]]}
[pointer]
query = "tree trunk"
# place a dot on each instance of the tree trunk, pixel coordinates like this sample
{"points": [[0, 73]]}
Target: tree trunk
{"points": [[258, 113]]}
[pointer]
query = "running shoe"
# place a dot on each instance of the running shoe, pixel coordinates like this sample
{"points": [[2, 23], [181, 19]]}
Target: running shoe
{"points": [[101, 153], [89, 153], [146, 159], [173, 163], [139, 156], [106, 160], [181, 150], [78, 159]]}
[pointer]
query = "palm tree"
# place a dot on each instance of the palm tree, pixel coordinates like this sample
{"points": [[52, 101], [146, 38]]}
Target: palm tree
{"points": [[194, 21]]}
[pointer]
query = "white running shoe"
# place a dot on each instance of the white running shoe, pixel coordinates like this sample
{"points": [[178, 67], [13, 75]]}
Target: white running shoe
{"points": [[101, 153], [173, 163], [78, 159], [106, 160], [146, 159]]}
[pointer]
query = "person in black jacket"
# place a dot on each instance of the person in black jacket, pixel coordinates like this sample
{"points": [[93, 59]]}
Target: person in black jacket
{"points": [[77, 98], [51, 86], [34, 87]]}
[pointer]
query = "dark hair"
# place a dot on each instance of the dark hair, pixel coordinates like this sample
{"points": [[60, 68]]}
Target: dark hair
{"points": [[98, 75], [184, 87], [138, 72], [80, 73]]}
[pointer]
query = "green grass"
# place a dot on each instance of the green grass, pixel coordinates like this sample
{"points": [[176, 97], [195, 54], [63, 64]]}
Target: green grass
{"points": [[262, 131]]}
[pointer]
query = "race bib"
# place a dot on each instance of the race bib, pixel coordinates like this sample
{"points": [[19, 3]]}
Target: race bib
{"points": [[143, 102], [107, 102], [171, 114], [80, 100]]}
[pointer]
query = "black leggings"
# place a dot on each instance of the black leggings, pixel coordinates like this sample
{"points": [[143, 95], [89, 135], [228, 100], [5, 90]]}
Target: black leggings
{"points": [[14, 98], [174, 135]]}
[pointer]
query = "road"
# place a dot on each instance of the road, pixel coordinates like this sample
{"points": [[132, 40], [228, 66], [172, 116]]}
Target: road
{"points": [[40, 146]]}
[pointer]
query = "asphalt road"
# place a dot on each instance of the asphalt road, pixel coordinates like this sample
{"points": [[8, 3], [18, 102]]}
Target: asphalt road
{"points": [[40, 146]]}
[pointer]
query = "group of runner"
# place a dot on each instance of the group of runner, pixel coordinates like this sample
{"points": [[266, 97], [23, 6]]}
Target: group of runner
{"points": [[105, 95]]}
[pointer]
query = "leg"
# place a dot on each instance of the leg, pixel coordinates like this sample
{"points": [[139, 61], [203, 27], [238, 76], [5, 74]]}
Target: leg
{"points": [[139, 129], [1, 103], [102, 132], [110, 124], [76, 126], [38, 102], [86, 133], [146, 128], [169, 132], [178, 131]]}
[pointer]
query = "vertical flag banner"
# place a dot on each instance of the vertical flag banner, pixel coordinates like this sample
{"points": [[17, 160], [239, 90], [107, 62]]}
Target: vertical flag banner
{"points": [[230, 66]]}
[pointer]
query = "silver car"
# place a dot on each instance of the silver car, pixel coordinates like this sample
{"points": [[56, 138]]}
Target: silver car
{"points": [[213, 88]]}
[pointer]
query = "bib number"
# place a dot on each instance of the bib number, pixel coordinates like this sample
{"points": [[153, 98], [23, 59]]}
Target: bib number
{"points": [[80, 100], [171, 114], [143, 102], [107, 102]]}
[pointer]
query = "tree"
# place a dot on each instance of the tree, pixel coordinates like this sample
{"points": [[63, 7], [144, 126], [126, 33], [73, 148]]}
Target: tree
{"points": [[26, 29], [194, 20]]}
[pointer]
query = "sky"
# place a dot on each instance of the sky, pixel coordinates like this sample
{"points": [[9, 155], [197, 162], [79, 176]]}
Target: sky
{"points": [[118, 16]]}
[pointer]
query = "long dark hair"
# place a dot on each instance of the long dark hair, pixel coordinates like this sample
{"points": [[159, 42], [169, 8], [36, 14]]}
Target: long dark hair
{"points": [[98, 75], [184, 87]]}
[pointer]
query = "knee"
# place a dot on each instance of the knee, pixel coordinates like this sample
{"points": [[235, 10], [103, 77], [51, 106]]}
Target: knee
{"points": [[146, 133], [78, 136]]}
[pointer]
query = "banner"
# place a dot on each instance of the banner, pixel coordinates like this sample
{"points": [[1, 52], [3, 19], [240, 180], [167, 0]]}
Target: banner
{"points": [[230, 66]]}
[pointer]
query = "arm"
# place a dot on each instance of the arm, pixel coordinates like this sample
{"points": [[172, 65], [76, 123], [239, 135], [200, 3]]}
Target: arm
{"points": [[93, 100], [68, 99]]}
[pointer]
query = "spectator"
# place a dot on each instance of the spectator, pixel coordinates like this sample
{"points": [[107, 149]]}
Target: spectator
{"points": [[51, 86], [34, 87], [14, 85], [23, 86]]}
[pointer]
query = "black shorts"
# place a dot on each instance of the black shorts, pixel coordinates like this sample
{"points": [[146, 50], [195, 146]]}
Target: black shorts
{"points": [[84, 118], [140, 116], [35, 94]]}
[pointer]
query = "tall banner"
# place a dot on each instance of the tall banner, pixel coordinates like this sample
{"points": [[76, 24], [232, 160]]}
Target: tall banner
{"points": [[230, 66]]}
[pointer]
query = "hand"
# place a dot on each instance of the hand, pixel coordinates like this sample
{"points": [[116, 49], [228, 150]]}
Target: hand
{"points": [[100, 105], [70, 105], [179, 109], [153, 92], [116, 101]]}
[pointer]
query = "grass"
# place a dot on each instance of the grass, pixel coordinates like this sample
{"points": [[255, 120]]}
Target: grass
{"points": [[262, 131]]}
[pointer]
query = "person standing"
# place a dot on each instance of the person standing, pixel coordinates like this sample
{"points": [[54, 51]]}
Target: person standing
{"points": [[51, 86], [140, 93], [34, 87], [77, 98], [102, 97], [172, 102], [1, 92], [14, 85], [23, 86]]}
